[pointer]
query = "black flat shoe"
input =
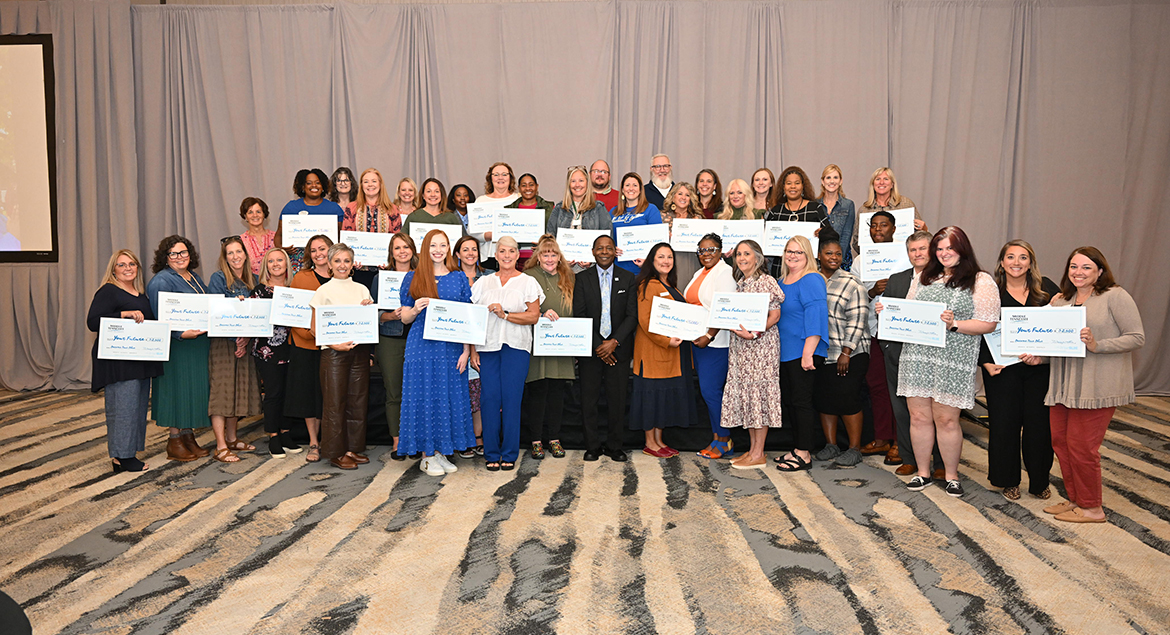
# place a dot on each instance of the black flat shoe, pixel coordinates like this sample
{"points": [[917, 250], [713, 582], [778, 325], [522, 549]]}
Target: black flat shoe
{"points": [[129, 465], [396, 456], [616, 455], [592, 455]]}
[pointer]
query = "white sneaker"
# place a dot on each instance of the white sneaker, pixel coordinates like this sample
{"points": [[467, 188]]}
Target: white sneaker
{"points": [[431, 466], [447, 466]]}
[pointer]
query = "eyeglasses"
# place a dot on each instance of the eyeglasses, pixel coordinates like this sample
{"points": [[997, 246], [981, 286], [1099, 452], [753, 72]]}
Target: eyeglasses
{"points": [[343, 180], [126, 265], [571, 168], [227, 239], [599, 171], [660, 167], [793, 253], [496, 175], [708, 250]]}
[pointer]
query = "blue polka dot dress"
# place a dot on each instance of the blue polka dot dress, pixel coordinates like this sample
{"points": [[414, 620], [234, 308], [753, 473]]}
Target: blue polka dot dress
{"points": [[436, 406]]}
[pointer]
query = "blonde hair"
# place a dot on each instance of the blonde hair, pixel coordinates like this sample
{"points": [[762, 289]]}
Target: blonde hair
{"points": [[229, 276], [336, 249], [810, 261], [414, 204], [833, 167], [669, 207], [507, 241], [749, 212], [590, 200], [895, 196], [383, 203], [565, 277], [110, 278], [264, 278]]}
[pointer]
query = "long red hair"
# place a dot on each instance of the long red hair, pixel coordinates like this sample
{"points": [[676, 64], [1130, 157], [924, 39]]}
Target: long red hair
{"points": [[423, 284]]}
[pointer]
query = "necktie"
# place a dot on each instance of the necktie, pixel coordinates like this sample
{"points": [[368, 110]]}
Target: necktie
{"points": [[605, 288]]}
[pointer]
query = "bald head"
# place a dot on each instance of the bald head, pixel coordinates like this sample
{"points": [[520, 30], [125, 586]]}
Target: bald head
{"points": [[599, 175]]}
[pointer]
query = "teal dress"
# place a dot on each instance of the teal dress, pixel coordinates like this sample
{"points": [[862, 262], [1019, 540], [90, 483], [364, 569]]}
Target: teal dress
{"points": [[178, 397]]}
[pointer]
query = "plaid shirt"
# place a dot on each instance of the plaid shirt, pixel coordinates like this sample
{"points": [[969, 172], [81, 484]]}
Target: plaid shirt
{"points": [[848, 313]]}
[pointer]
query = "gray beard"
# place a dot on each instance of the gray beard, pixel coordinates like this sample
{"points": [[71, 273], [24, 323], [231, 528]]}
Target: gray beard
{"points": [[663, 183]]}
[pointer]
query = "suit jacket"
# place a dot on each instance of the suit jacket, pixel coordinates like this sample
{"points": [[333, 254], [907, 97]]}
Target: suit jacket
{"points": [[897, 286], [622, 321]]}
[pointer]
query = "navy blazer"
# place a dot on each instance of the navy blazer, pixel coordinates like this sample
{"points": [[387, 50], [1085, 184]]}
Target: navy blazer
{"points": [[587, 303], [897, 286]]}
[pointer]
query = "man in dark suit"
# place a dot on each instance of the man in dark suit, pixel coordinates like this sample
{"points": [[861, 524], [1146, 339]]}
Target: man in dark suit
{"points": [[898, 286], [600, 293]]}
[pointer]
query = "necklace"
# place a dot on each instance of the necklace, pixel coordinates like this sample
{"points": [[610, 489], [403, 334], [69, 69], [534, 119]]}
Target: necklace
{"points": [[196, 287]]}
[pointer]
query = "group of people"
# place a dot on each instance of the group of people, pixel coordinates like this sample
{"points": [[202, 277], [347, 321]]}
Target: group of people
{"points": [[818, 363]]}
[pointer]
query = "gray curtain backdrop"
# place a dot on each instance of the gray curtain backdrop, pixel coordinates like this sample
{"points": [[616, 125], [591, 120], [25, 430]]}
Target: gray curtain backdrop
{"points": [[1039, 120]]}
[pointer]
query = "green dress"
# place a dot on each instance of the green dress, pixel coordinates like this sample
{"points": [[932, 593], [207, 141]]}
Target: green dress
{"points": [[551, 367]]}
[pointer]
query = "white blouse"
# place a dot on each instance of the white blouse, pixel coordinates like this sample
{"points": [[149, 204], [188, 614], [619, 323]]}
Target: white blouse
{"points": [[719, 280], [514, 297]]}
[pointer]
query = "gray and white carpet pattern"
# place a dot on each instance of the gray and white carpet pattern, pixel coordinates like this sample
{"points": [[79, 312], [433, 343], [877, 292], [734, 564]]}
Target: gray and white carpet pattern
{"points": [[681, 545]]}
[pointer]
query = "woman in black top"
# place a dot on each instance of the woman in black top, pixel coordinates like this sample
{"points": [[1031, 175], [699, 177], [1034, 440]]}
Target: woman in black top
{"points": [[127, 382], [1015, 393], [795, 202]]}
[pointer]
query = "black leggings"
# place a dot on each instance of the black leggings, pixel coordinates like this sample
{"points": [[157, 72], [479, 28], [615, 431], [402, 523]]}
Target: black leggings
{"points": [[796, 401], [272, 375], [543, 409]]}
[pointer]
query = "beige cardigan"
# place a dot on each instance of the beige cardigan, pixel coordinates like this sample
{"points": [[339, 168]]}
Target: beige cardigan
{"points": [[1103, 379]]}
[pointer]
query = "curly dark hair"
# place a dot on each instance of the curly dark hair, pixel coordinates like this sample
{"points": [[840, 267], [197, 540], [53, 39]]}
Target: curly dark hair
{"points": [[164, 247], [303, 175]]}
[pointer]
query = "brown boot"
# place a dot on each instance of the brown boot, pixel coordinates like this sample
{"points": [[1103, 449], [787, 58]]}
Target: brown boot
{"points": [[193, 445], [177, 450], [893, 457]]}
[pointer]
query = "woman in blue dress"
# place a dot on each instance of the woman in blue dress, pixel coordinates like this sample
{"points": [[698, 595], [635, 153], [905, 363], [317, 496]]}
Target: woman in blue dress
{"points": [[436, 406]]}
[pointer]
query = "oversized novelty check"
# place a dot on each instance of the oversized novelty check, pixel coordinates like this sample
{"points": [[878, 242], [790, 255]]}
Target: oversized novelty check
{"points": [[577, 244], [686, 233], [369, 248], [290, 307], [730, 310], [993, 344], [736, 230], [390, 289], [566, 337], [878, 261], [523, 225], [183, 311], [1043, 331], [462, 322], [677, 319], [233, 317], [912, 322], [777, 233], [297, 229], [636, 241], [480, 217], [148, 341], [341, 323]]}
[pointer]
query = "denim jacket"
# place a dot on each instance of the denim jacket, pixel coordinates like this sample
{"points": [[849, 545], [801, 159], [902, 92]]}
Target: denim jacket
{"points": [[842, 217]]}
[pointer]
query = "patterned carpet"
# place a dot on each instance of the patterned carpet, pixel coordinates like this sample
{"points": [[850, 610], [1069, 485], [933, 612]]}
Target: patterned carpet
{"points": [[680, 545]]}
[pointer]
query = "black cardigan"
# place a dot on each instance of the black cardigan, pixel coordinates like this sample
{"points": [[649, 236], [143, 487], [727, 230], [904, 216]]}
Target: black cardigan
{"points": [[109, 301]]}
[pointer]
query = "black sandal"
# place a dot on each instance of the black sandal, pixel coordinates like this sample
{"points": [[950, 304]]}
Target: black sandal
{"points": [[507, 466], [493, 467], [794, 463]]}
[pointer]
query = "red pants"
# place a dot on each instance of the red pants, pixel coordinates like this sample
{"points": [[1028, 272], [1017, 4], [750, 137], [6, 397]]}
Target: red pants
{"points": [[1076, 438], [879, 395]]}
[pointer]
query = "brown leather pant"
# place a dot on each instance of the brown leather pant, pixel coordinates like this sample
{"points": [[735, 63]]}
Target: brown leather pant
{"points": [[345, 392]]}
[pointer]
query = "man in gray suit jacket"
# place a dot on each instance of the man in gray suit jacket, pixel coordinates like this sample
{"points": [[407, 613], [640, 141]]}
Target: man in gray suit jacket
{"points": [[898, 286]]}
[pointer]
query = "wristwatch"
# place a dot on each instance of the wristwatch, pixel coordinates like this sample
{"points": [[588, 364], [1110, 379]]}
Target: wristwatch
{"points": [[954, 327]]}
